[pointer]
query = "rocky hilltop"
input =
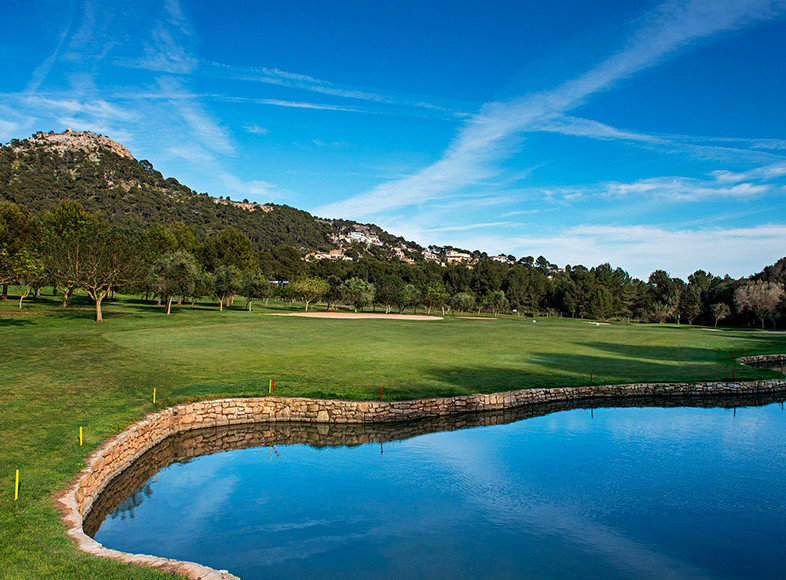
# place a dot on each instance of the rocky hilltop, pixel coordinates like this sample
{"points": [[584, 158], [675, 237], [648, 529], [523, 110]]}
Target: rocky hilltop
{"points": [[69, 141], [104, 176]]}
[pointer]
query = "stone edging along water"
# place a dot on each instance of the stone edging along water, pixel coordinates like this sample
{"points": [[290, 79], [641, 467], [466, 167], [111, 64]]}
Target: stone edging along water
{"points": [[117, 453]]}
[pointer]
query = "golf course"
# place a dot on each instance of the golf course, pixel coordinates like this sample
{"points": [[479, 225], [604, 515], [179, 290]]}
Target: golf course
{"points": [[60, 372]]}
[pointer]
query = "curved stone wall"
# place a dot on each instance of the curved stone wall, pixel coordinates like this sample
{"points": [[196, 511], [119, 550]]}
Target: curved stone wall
{"points": [[116, 454]]}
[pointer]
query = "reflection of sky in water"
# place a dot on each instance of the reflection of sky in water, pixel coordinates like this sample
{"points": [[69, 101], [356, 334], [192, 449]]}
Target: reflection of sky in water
{"points": [[616, 493]]}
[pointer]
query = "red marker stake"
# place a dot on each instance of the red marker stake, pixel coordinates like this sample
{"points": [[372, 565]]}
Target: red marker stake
{"points": [[590, 378], [380, 392]]}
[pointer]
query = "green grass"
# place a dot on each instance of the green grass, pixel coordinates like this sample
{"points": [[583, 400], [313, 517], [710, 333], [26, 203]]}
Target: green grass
{"points": [[59, 371]]}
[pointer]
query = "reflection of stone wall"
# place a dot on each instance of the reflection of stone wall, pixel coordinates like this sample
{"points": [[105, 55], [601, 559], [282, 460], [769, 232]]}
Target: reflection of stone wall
{"points": [[115, 455], [775, 362]]}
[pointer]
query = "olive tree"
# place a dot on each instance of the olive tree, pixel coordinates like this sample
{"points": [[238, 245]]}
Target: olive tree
{"points": [[357, 292], [719, 311], [81, 250], [760, 297], [174, 273], [310, 288]]}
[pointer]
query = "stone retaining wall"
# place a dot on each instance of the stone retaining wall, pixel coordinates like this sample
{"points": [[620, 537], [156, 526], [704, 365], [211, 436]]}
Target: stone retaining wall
{"points": [[118, 453]]}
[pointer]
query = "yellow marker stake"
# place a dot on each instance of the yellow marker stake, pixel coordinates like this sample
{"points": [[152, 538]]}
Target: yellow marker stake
{"points": [[16, 486], [154, 395], [80, 436], [270, 387]]}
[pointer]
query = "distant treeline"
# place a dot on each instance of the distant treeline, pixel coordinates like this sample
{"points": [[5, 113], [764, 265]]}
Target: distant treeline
{"points": [[69, 247]]}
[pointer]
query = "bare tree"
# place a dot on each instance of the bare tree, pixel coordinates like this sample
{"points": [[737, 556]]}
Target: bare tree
{"points": [[720, 310], [760, 297]]}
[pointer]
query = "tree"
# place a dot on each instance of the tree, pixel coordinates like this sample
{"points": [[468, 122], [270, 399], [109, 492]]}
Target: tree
{"points": [[17, 232], [463, 301], [760, 297], [310, 288], [255, 286], [357, 292], [720, 310], [659, 312], [408, 295], [435, 296], [690, 303], [525, 288], [229, 248], [495, 302], [388, 289], [174, 273], [21, 268], [81, 250], [226, 282]]}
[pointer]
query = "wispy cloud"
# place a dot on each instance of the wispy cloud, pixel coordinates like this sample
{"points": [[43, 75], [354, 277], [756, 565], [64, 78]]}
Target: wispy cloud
{"points": [[41, 72], [714, 148], [684, 189], [489, 136], [198, 118], [255, 129], [275, 76]]}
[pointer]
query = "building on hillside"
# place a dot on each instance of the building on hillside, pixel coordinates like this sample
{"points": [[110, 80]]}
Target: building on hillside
{"points": [[331, 255], [431, 256], [454, 257], [501, 258], [362, 238]]}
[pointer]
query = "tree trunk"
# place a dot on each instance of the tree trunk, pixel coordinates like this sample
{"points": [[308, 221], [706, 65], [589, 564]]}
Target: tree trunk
{"points": [[98, 297], [158, 299], [5, 292], [220, 303], [180, 300], [716, 323], [307, 305], [169, 304], [25, 293]]}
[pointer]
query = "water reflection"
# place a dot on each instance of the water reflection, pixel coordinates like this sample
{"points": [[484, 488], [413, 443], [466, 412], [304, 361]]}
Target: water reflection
{"points": [[128, 490]]}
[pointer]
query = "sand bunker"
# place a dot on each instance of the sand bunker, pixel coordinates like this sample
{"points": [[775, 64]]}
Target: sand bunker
{"points": [[356, 315]]}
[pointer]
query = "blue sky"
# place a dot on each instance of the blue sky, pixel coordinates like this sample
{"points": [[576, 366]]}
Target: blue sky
{"points": [[645, 134]]}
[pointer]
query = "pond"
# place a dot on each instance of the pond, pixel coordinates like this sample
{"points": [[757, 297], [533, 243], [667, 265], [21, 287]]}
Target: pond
{"points": [[658, 491]]}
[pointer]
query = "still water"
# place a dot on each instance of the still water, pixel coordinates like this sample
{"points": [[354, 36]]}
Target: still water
{"points": [[618, 492]]}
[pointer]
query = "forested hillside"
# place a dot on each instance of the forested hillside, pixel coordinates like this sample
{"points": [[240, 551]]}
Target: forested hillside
{"points": [[102, 176]]}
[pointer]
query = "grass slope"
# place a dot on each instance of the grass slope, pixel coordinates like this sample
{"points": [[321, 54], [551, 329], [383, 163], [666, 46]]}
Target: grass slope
{"points": [[59, 371]]}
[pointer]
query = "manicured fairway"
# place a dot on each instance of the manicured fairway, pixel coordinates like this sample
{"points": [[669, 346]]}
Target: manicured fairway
{"points": [[60, 371]]}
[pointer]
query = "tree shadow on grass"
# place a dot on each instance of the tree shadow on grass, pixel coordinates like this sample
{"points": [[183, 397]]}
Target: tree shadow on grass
{"points": [[638, 352], [581, 370], [690, 353], [9, 322]]}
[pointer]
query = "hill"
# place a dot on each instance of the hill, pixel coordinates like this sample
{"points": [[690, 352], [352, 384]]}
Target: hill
{"points": [[103, 176]]}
